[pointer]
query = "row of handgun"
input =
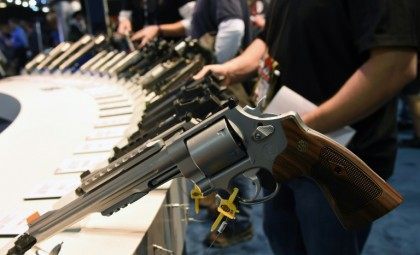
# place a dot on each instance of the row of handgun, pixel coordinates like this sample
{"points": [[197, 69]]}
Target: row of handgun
{"points": [[163, 69]]}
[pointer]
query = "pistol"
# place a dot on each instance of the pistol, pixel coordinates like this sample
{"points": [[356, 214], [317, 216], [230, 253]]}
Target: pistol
{"points": [[89, 48], [128, 61], [52, 55], [267, 149], [69, 52], [29, 67], [179, 110], [114, 60]]}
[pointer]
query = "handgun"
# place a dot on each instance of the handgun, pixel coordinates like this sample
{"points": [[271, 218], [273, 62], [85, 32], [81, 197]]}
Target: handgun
{"points": [[101, 61], [188, 90], [92, 45], [128, 61], [29, 67], [69, 52], [200, 106], [92, 61], [183, 109], [52, 55], [153, 54], [267, 149], [114, 60], [183, 75]]}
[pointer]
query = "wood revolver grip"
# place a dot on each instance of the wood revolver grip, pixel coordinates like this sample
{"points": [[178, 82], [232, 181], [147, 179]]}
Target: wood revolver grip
{"points": [[355, 192]]}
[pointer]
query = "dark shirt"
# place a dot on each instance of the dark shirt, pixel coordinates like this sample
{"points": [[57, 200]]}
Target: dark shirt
{"points": [[321, 43], [158, 11], [414, 87], [208, 14]]}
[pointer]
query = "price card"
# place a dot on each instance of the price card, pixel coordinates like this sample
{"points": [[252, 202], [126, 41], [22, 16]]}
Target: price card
{"points": [[13, 223], [116, 112], [105, 133], [107, 95], [54, 188], [92, 146], [113, 121], [115, 105], [81, 163], [100, 89], [112, 100], [104, 92]]}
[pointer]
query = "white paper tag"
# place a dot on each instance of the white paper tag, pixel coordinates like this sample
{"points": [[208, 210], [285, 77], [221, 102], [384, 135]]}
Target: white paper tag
{"points": [[114, 105], [113, 121], [13, 223], [91, 146], [105, 133], [54, 188], [81, 163], [115, 112]]}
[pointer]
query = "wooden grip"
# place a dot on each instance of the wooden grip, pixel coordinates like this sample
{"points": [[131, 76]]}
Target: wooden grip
{"points": [[355, 192]]}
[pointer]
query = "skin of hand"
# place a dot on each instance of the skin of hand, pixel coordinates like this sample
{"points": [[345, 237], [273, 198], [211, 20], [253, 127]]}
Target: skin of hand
{"points": [[258, 21], [377, 81], [146, 34], [124, 26], [239, 68], [220, 70]]}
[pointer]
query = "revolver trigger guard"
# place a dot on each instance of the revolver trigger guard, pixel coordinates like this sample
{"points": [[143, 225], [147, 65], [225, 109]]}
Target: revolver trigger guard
{"points": [[265, 180], [260, 200]]}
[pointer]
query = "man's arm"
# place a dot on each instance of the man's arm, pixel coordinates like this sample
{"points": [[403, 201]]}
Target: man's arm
{"points": [[239, 68], [379, 79], [176, 29], [170, 30]]}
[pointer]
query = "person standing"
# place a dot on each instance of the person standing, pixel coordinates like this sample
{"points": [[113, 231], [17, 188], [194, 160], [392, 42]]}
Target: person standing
{"points": [[19, 43], [136, 15], [351, 58]]}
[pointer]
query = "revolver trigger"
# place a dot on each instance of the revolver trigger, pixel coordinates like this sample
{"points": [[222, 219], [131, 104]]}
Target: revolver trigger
{"points": [[218, 200], [252, 176]]}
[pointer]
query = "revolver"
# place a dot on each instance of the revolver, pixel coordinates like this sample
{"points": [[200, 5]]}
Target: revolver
{"points": [[267, 149]]}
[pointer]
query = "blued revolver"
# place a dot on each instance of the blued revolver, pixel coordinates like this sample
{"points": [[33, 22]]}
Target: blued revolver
{"points": [[268, 149]]}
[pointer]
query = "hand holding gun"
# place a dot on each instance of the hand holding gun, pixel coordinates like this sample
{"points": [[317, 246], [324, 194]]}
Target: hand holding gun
{"points": [[229, 143]]}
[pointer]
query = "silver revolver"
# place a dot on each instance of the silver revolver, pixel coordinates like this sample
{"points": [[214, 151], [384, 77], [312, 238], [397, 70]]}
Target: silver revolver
{"points": [[267, 149]]}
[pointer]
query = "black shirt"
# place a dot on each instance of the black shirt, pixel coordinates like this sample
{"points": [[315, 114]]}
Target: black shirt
{"points": [[157, 11], [208, 14], [414, 87], [319, 44]]}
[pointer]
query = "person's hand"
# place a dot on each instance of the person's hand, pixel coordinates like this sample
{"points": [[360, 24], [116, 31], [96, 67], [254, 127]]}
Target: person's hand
{"points": [[146, 34], [258, 21], [220, 71], [124, 26]]}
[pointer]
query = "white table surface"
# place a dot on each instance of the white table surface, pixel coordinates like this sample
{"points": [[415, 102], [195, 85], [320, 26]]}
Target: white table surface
{"points": [[56, 116]]}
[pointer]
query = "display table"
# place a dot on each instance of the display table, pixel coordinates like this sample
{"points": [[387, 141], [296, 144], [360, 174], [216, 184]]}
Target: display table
{"points": [[53, 117]]}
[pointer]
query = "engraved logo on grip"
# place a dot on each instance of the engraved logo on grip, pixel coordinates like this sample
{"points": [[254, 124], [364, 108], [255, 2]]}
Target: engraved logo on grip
{"points": [[302, 146]]}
